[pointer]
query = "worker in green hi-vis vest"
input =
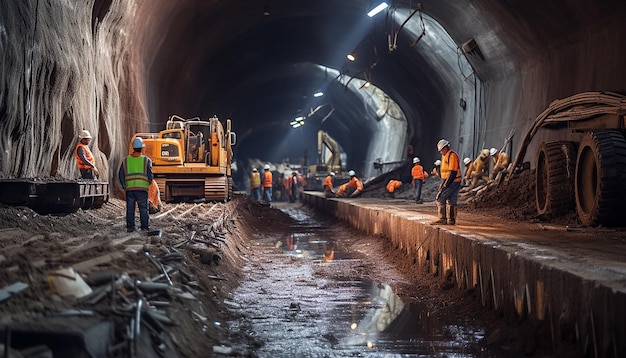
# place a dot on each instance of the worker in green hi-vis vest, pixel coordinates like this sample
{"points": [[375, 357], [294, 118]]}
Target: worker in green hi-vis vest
{"points": [[136, 175]]}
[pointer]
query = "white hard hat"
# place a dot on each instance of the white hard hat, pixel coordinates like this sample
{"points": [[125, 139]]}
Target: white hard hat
{"points": [[266, 167], [466, 161], [138, 143], [332, 174], [437, 162], [493, 151], [254, 170], [352, 173], [441, 144], [84, 134], [416, 160]]}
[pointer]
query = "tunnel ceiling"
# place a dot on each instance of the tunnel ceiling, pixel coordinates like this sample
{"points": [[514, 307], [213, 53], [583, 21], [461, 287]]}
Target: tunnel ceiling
{"points": [[229, 58]]}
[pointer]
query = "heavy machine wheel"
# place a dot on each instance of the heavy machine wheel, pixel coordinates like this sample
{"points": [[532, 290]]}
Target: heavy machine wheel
{"points": [[600, 183], [554, 178]]}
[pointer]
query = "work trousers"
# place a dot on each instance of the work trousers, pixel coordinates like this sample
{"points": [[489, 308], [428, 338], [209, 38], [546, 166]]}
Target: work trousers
{"points": [[450, 194], [255, 193], [87, 173], [418, 188], [268, 193], [140, 198]]}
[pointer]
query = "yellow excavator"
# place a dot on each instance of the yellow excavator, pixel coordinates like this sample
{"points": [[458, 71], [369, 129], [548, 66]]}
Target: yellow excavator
{"points": [[191, 159], [328, 159]]}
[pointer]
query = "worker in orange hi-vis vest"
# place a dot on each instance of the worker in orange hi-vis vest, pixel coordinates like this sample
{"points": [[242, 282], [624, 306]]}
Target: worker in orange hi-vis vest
{"points": [[450, 184], [352, 188], [392, 186], [328, 185], [267, 182], [419, 176], [84, 158]]}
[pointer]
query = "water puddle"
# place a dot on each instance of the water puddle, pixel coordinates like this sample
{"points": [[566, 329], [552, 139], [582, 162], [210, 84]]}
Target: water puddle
{"points": [[304, 301]]}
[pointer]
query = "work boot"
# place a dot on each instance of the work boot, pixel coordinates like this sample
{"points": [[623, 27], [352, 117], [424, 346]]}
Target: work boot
{"points": [[452, 215], [441, 212]]}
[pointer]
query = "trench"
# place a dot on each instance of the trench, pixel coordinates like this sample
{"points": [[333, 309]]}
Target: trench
{"points": [[304, 295]]}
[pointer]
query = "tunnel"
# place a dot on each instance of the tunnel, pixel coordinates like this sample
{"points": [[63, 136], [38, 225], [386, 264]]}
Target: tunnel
{"points": [[386, 87], [472, 73]]}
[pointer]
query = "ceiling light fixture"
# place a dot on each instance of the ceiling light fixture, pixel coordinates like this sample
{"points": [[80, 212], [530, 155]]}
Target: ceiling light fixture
{"points": [[318, 94], [378, 8], [351, 56], [297, 122]]}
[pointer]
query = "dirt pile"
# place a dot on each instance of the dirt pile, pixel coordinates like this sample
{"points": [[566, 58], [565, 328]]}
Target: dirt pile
{"points": [[177, 279]]}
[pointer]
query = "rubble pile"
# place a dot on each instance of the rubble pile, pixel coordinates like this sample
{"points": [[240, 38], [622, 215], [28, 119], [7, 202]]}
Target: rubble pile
{"points": [[114, 293]]}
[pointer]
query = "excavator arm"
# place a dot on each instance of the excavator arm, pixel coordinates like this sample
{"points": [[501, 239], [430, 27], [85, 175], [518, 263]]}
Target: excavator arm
{"points": [[323, 139]]}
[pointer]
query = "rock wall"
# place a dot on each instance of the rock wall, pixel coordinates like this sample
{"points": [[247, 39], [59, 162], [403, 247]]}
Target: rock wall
{"points": [[65, 68]]}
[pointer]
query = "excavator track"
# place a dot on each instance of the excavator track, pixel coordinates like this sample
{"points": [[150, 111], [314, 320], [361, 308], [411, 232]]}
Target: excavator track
{"points": [[216, 188]]}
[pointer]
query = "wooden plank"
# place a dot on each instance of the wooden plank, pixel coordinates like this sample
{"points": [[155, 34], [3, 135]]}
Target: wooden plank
{"points": [[85, 265]]}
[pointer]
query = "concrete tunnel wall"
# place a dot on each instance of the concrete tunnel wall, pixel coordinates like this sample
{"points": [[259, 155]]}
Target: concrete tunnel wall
{"points": [[571, 304]]}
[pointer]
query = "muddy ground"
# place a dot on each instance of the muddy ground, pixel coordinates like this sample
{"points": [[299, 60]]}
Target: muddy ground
{"points": [[205, 246]]}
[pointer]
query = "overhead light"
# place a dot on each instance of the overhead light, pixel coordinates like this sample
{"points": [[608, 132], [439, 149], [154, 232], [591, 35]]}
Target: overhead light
{"points": [[378, 8], [351, 56], [266, 10], [297, 122], [318, 94]]}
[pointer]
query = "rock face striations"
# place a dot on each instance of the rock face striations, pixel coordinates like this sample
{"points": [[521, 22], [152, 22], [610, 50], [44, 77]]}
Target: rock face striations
{"points": [[64, 67]]}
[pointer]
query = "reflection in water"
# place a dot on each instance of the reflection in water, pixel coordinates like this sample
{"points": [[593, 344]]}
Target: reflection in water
{"points": [[386, 306], [312, 300], [329, 250]]}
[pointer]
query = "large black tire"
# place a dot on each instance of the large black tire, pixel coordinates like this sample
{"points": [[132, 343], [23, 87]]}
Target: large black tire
{"points": [[600, 183], [554, 178]]}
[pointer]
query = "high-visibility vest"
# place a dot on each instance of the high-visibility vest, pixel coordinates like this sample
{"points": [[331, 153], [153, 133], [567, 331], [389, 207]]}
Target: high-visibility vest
{"points": [[355, 183], [88, 155], [418, 172], [450, 162], [255, 180], [393, 185], [267, 179], [328, 181], [136, 173]]}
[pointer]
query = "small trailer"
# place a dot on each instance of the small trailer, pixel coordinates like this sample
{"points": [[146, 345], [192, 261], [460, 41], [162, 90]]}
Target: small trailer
{"points": [[54, 196]]}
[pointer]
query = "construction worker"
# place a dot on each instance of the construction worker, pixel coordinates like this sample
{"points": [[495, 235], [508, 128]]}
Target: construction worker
{"points": [[328, 185], [392, 186], [468, 170], [419, 176], [500, 162], [450, 184], [352, 188], [255, 184], [480, 166], [267, 182], [84, 158], [292, 186], [435, 171], [135, 175]]}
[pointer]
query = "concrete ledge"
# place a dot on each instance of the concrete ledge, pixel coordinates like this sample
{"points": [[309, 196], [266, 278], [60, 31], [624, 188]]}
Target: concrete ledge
{"points": [[576, 300]]}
